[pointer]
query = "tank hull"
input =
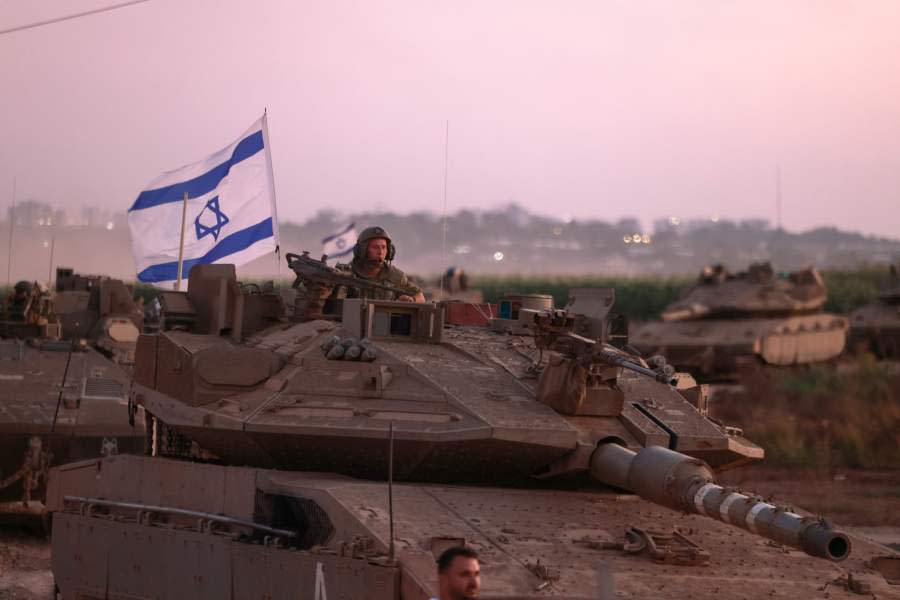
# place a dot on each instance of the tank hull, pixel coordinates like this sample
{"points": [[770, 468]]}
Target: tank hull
{"points": [[534, 543], [715, 346], [876, 328]]}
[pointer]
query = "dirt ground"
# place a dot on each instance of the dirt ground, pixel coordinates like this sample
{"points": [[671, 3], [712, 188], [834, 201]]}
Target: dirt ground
{"points": [[24, 554]]}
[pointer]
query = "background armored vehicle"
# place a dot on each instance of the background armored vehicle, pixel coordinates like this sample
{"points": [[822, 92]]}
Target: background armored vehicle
{"points": [[876, 327], [755, 315], [60, 399], [99, 309], [57, 407], [509, 444]]}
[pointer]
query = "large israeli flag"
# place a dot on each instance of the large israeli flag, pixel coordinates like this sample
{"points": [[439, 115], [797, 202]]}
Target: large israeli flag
{"points": [[230, 216], [340, 243]]}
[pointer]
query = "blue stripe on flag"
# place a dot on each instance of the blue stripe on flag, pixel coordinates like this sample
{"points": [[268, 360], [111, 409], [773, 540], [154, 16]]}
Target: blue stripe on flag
{"points": [[337, 235], [201, 184], [235, 242]]}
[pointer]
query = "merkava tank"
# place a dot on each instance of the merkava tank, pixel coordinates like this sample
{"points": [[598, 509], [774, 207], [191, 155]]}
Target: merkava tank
{"points": [[754, 316], [876, 327], [60, 399], [337, 458]]}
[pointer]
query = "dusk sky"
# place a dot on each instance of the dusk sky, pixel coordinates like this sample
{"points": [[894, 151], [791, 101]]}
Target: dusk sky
{"points": [[594, 109]]}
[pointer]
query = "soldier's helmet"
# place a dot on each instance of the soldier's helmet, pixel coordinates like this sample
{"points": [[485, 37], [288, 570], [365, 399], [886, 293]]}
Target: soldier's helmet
{"points": [[371, 233], [23, 288]]}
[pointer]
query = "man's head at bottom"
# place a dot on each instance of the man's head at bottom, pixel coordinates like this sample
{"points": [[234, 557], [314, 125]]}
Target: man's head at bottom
{"points": [[459, 575]]}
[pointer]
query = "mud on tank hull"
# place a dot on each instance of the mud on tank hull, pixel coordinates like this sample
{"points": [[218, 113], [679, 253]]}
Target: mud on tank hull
{"points": [[876, 328], [137, 527], [715, 346]]}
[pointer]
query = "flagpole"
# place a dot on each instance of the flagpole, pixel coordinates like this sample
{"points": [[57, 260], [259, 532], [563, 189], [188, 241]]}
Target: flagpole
{"points": [[271, 177], [181, 243]]}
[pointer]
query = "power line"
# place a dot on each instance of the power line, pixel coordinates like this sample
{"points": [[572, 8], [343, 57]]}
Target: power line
{"points": [[70, 17]]}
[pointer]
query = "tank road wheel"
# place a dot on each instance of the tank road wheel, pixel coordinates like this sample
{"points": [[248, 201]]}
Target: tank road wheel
{"points": [[163, 440], [149, 434]]}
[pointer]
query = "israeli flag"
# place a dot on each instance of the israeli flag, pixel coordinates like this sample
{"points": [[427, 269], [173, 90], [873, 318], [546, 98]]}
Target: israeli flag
{"points": [[341, 243], [230, 215]]}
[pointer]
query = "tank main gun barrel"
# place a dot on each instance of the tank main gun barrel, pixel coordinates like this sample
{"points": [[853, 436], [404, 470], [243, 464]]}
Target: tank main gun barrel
{"points": [[680, 482]]}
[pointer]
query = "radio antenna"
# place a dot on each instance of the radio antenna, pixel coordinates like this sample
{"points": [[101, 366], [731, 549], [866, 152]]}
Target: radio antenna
{"points": [[778, 196], [391, 490], [444, 214], [12, 222]]}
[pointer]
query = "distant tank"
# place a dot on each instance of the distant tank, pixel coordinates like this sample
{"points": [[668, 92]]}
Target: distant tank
{"points": [[338, 457], [60, 399], [876, 327], [754, 316]]}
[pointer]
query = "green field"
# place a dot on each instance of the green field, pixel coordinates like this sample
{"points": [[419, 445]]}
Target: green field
{"points": [[643, 299]]}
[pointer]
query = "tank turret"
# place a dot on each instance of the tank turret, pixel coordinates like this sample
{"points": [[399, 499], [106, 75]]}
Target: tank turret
{"points": [[726, 320], [99, 309]]}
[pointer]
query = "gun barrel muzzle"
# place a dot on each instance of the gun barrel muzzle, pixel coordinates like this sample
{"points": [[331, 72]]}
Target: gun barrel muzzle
{"points": [[683, 483]]}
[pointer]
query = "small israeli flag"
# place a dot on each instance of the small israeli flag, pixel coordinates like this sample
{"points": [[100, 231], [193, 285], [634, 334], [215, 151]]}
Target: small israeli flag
{"points": [[230, 215], [341, 243]]}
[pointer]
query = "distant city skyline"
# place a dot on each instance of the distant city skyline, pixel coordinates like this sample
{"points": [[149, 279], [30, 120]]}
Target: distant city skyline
{"points": [[593, 110]]}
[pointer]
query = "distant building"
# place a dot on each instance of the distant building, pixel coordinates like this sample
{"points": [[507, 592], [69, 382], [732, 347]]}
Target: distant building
{"points": [[32, 213]]}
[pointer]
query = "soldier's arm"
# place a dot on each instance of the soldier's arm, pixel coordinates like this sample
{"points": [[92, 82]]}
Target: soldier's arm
{"points": [[413, 293]]}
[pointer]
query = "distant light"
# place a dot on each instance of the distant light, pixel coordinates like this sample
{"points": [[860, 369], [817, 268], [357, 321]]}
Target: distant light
{"points": [[498, 256], [674, 221], [41, 222], [109, 225], [626, 239], [462, 249], [49, 222], [714, 218], [557, 230], [46, 244], [645, 238], [636, 238], [567, 218]]}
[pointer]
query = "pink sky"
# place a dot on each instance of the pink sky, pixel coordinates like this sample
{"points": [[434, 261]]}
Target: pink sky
{"points": [[593, 109]]}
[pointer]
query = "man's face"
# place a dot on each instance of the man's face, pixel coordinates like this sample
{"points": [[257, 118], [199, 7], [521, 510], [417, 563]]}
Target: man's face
{"points": [[377, 249], [462, 579]]}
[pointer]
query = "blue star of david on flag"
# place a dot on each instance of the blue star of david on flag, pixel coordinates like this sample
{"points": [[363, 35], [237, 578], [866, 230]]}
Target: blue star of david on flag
{"points": [[206, 226]]}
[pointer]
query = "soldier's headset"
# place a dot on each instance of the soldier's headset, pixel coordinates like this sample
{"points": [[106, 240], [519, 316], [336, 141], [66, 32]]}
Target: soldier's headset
{"points": [[359, 250]]}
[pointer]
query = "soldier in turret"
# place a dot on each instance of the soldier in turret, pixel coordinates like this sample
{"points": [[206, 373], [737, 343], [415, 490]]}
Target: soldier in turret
{"points": [[373, 257]]}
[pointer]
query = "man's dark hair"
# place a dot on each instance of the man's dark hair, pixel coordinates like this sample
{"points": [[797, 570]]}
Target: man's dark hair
{"points": [[447, 556]]}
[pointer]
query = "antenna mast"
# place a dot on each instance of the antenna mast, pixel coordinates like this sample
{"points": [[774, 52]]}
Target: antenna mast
{"points": [[444, 214], [778, 196], [12, 220], [391, 489]]}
